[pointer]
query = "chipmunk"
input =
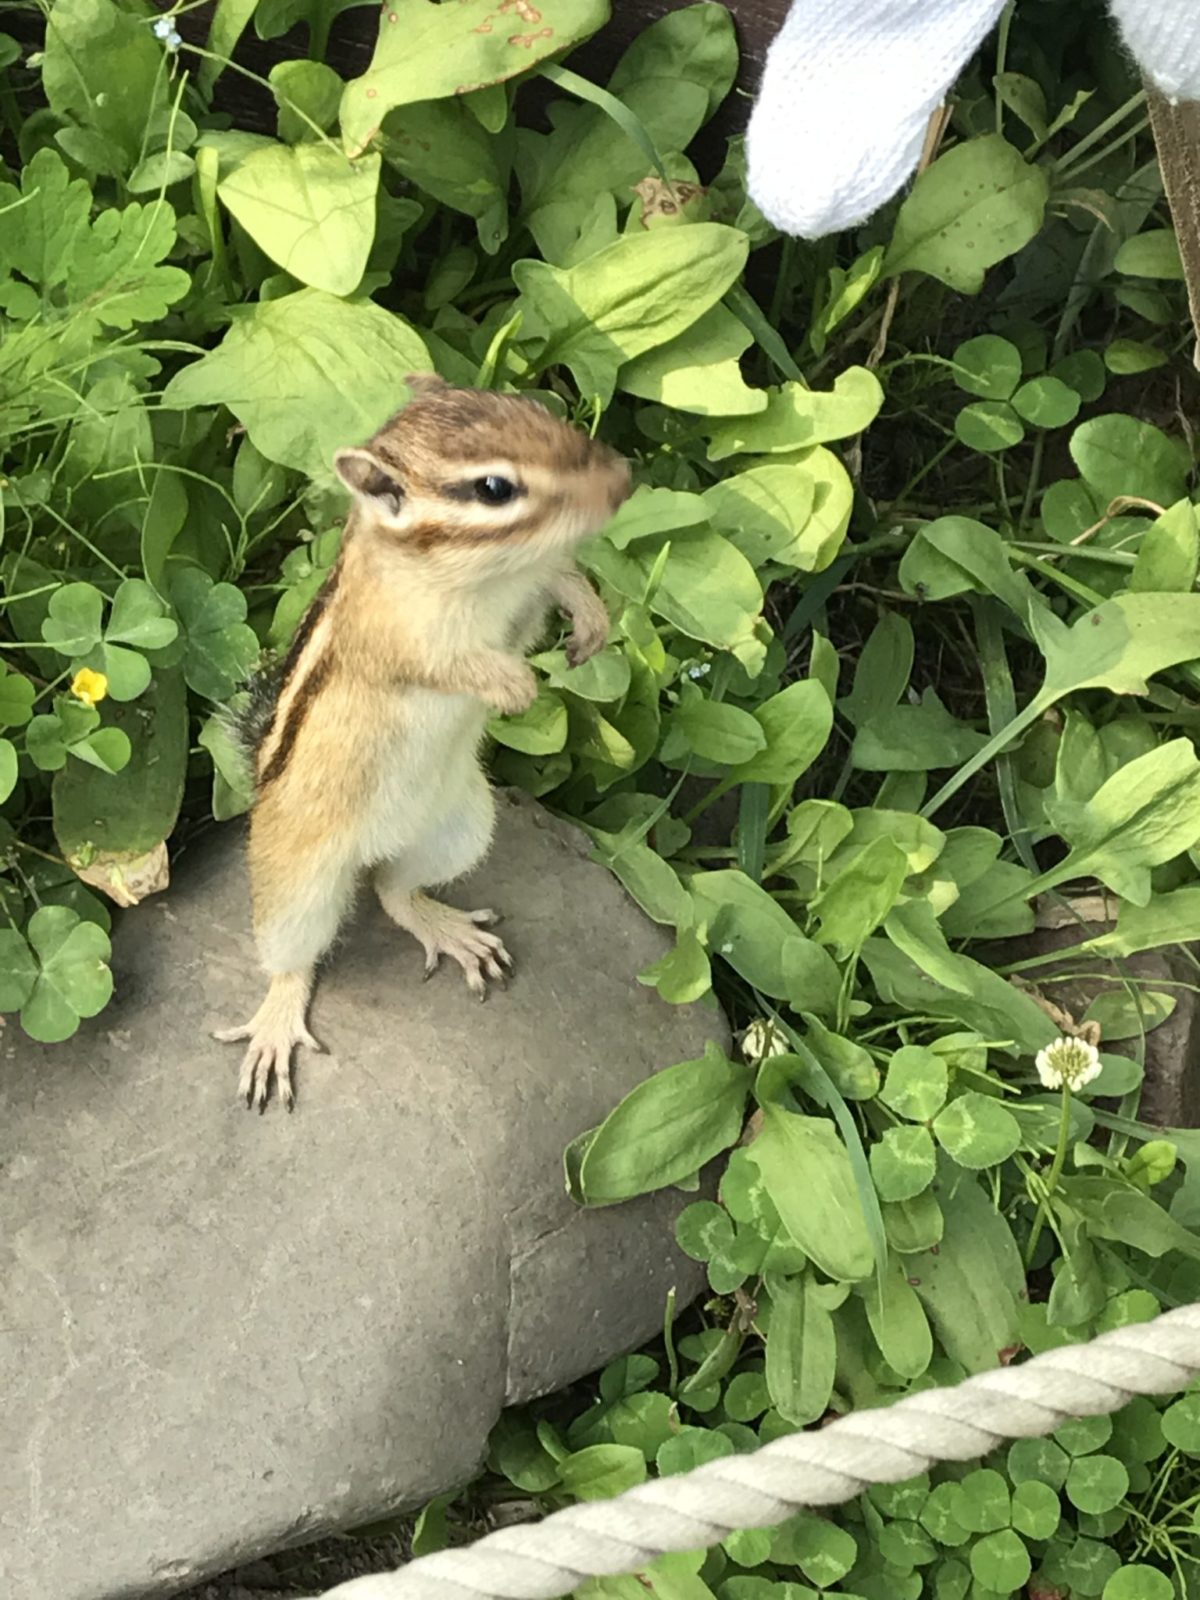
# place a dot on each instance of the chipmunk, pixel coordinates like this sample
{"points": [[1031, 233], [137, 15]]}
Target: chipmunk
{"points": [[467, 508]]}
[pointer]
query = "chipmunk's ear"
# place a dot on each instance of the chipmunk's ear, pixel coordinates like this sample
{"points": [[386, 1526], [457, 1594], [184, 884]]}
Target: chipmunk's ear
{"points": [[420, 384], [368, 479]]}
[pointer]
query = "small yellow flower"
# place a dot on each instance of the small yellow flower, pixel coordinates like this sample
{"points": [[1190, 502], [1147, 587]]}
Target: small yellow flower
{"points": [[1073, 1062], [89, 686]]}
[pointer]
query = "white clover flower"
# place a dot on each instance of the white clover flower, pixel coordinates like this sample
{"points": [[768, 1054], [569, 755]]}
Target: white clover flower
{"points": [[762, 1039], [165, 30], [1069, 1062]]}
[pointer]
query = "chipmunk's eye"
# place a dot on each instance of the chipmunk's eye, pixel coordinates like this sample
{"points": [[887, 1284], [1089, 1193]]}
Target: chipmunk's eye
{"points": [[494, 490]]}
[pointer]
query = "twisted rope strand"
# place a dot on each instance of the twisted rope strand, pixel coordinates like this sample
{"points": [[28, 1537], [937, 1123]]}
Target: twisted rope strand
{"points": [[697, 1509]]}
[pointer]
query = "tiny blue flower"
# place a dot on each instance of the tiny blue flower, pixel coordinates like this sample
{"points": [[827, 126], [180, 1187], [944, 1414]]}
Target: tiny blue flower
{"points": [[174, 40], [163, 27]]}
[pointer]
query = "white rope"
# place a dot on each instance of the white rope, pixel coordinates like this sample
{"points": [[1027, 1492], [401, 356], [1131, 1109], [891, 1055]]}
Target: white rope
{"points": [[542, 1560]]}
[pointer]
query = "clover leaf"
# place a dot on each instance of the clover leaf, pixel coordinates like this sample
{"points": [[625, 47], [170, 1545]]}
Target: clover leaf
{"points": [[8, 768], [219, 647], [55, 974], [73, 728], [137, 622], [16, 699]]}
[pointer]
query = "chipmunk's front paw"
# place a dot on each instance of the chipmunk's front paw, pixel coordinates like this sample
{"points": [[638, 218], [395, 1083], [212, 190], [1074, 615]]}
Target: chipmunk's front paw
{"points": [[586, 641], [514, 690], [274, 1031]]}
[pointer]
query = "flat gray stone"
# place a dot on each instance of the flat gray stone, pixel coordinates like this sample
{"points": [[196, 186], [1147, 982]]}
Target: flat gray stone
{"points": [[222, 1333]]}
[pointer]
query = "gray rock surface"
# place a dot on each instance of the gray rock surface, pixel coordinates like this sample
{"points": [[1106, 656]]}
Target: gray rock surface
{"points": [[222, 1333]]}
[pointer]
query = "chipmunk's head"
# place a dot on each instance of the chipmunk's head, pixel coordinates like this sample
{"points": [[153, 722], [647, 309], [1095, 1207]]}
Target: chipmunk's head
{"points": [[475, 479]]}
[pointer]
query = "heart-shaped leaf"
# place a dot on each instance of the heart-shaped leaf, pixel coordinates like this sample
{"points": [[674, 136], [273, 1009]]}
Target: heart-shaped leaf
{"points": [[73, 979]]}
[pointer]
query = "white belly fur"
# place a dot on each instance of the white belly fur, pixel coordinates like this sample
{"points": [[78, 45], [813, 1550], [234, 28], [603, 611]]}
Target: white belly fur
{"points": [[427, 770]]}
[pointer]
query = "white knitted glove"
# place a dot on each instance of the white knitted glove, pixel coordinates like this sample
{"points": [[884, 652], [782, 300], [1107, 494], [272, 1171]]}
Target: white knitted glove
{"points": [[1163, 36], [849, 87]]}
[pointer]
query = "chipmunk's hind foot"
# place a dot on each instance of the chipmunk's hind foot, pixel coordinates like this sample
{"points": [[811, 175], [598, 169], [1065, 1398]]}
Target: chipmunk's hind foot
{"points": [[444, 930], [274, 1031]]}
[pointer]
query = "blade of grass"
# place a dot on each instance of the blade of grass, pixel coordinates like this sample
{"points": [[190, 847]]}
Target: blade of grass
{"points": [[630, 124], [749, 314]]}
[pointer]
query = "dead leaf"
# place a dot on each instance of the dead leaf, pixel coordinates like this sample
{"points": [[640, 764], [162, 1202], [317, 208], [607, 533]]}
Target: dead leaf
{"points": [[126, 878], [661, 199]]}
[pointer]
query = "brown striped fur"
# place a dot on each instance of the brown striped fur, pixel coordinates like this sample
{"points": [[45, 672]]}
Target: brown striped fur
{"points": [[369, 760]]}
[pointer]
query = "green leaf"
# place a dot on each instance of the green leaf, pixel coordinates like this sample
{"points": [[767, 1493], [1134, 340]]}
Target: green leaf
{"points": [[1139, 1582], [854, 1073], [989, 425], [1001, 1562], [624, 300], [1122, 455], [1124, 356], [698, 369], [808, 1175], [92, 45], [73, 979], [308, 208], [914, 738], [760, 941], [983, 1502], [16, 699], [767, 513], [1180, 1421], [308, 87], [854, 904], [429, 53], [898, 1321], [18, 970], [1096, 1483], [690, 1448], [1167, 919], [824, 1552], [233, 782], [602, 1470], [652, 513], [706, 588], [1129, 1217], [74, 623], [541, 730], [1144, 815], [1169, 554], [139, 618], [442, 148], [801, 1351], [903, 1163], [988, 366], [703, 1230], [219, 646], [305, 375], [1036, 1510], [797, 417], [123, 816], [1154, 254], [717, 731], [1046, 402], [913, 927], [973, 1284], [977, 1131], [795, 726], [665, 1129], [977, 204]]}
